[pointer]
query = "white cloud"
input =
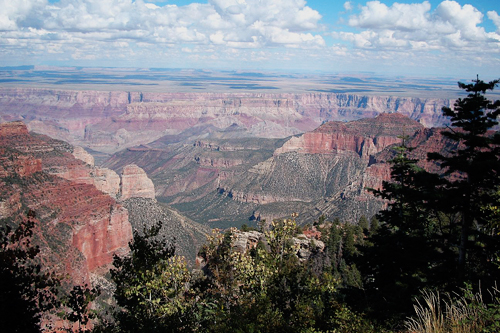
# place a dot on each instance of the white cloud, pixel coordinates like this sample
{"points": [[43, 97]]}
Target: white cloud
{"points": [[14, 14], [348, 5], [463, 19], [493, 15], [242, 31], [376, 15], [413, 26], [219, 22]]}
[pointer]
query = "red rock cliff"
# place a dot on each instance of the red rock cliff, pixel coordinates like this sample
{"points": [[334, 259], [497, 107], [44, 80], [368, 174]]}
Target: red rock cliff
{"points": [[365, 137], [79, 227]]}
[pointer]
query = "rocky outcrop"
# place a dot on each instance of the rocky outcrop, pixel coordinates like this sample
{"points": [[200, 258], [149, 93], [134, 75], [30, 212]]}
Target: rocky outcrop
{"points": [[223, 163], [135, 183], [13, 129], [305, 246], [18, 165], [244, 241], [81, 154], [106, 180], [365, 137]]}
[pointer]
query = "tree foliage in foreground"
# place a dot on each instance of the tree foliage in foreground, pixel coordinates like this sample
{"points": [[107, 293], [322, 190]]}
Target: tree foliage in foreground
{"points": [[25, 291], [265, 289], [439, 231], [150, 283]]}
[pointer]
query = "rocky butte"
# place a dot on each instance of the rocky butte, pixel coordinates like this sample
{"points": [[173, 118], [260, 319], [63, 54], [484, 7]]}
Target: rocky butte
{"points": [[135, 183]]}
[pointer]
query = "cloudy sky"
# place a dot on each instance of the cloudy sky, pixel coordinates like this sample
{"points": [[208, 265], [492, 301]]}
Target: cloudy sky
{"points": [[449, 38]]}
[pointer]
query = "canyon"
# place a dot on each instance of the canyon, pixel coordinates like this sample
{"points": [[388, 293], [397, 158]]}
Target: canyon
{"points": [[223, 159], [223, 181], [120, 160], [82, 212], [109, 121]]}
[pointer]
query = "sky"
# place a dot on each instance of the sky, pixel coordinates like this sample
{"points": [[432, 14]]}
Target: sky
{"points": [[413, 38]]}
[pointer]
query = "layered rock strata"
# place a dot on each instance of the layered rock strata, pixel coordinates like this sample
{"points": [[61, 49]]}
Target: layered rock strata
{"points": [[224, 182], [110, 121], [78, 227]]}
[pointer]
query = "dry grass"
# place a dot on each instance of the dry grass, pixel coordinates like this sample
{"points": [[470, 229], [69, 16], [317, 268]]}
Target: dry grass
{"points": [[437, 314]]}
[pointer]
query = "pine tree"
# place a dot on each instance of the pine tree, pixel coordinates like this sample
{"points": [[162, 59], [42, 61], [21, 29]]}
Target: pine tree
{"points": [[473, 169], [403, 254]]}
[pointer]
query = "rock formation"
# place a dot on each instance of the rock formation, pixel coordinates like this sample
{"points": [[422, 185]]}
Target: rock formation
{"points": [[365, 137], [81, 154], [244, 241], [136, 184]]}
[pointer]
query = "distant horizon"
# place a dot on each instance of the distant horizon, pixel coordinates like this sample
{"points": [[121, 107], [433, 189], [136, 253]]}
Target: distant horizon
{"points": [[252, 71], [234, 81]]}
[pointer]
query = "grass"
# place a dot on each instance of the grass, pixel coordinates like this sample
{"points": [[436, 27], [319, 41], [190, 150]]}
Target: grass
{"points": [[445, 313]]}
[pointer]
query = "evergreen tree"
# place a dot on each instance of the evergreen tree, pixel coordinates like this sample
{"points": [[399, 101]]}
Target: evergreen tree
{"points": [[405, 253], [437, 231], [364, 224], [374, 225], [473, 172]]}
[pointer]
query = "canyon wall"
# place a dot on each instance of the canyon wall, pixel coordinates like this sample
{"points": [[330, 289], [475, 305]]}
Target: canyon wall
{"points": [[74, 201], [83, 212], [78, 227], [110, 121]]}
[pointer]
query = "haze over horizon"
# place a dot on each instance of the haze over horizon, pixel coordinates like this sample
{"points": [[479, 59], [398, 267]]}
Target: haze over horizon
{"points": [[429, 38]]}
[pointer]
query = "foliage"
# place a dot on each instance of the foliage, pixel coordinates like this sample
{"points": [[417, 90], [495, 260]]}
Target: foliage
{"points": [[25, 291], [78, 302], [407, 252], [268, 289], [150, 285], [341, 247], [438, 230], [263, 289]]}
